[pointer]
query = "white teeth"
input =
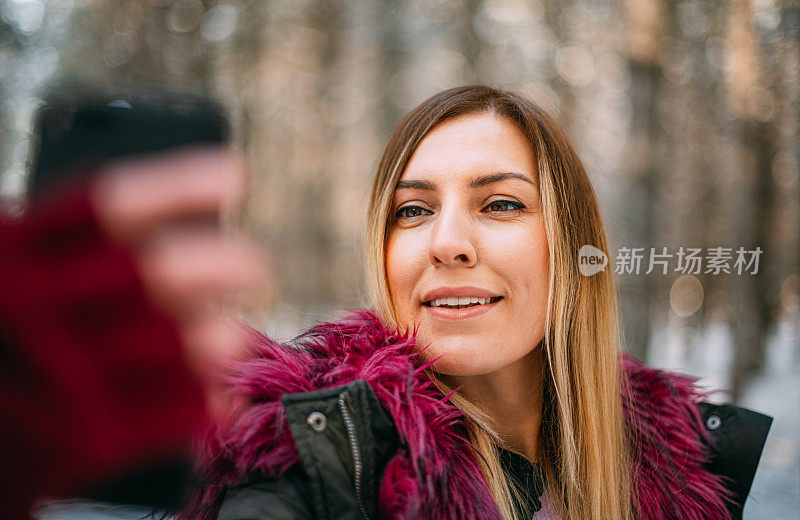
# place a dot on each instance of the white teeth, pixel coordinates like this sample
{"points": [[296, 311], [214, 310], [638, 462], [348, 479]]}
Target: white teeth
{"points": [[457, 301]]}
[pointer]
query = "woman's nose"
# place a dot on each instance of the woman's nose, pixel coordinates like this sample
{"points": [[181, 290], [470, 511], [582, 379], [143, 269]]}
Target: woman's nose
{"points": [[451, 242]]}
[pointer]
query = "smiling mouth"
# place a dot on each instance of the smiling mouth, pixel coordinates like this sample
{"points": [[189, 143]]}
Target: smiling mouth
{"points": [[460, 302]]}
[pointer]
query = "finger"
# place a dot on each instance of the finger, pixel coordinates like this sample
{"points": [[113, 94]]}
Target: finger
{"points": [[183, 268], [212, 344], [133, 198]]}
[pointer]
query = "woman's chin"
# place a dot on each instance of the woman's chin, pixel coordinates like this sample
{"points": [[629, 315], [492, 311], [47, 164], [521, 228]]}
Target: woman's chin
{"points": [[459, 358]]}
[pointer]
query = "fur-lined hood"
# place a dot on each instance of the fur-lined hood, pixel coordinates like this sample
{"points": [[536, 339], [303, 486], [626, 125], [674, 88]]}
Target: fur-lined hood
{"points": [[435, 473]]}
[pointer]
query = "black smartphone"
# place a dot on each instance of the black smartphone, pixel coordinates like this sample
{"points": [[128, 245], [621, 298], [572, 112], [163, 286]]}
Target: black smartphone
{"points": [[74, 136]]}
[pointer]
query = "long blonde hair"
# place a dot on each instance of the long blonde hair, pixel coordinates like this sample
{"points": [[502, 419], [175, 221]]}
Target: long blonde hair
{"points": [[582, 438]]}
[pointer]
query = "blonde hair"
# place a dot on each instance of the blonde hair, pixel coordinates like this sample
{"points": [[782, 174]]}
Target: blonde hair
{"points": [[582, 438]]}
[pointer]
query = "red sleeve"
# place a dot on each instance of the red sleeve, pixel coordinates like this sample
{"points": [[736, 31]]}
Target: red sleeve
{"points": [[92, 380]]}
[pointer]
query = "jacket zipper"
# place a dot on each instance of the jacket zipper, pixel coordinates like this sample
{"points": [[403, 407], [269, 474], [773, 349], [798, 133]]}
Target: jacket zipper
{"points": [[350, 426]]}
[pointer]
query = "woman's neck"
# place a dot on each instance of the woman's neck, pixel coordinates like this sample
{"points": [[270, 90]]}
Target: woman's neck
{"points": [[512, 399]]}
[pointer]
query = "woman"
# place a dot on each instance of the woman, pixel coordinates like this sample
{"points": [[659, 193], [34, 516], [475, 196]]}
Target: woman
{"points": [[506, 396]]}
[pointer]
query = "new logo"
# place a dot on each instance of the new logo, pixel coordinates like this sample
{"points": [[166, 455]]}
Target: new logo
{"points": [[591, 260]]}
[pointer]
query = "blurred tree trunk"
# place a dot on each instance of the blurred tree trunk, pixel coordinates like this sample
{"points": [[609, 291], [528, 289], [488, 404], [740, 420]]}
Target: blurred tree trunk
{"points": [[469, 42], [391, 58], [647, 22], [327, 17], [750, 200]]}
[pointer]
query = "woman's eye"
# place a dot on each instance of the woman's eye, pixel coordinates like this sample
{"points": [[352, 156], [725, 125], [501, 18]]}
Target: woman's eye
{"points": [[504, 205], [411, 212]]}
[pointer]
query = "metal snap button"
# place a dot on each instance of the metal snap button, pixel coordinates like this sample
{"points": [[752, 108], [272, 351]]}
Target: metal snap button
{"points": [[713, 422], [317, 421]]}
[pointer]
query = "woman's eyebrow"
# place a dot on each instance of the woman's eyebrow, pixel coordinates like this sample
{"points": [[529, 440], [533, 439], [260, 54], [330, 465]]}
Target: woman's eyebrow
{"points": [[497, 177], [473, 183], [416, 185]]}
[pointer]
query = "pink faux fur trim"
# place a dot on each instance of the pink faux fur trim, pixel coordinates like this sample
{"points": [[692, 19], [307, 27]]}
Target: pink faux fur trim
{"points": [[435, 473], [669, 445]]}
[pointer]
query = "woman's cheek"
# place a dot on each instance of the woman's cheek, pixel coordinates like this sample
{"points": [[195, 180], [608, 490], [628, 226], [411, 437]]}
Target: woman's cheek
{"points": [[512, 250], [403, 269]]}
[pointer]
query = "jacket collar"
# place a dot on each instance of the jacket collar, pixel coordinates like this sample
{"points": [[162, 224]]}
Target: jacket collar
{"points": [[435, 474]]}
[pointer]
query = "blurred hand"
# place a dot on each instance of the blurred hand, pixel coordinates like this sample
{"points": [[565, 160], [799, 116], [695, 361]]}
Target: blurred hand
{"points": [[165, 209]]}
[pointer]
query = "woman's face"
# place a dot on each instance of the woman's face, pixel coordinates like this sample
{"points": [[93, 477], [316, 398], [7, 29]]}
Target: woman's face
{"points": [[466, 255]]}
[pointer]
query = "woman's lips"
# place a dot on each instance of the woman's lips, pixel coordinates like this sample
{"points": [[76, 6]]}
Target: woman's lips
{"points": [[452, 313]]}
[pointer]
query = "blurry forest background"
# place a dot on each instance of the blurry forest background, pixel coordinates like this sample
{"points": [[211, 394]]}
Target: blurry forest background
{"points": [[686, 114]]}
